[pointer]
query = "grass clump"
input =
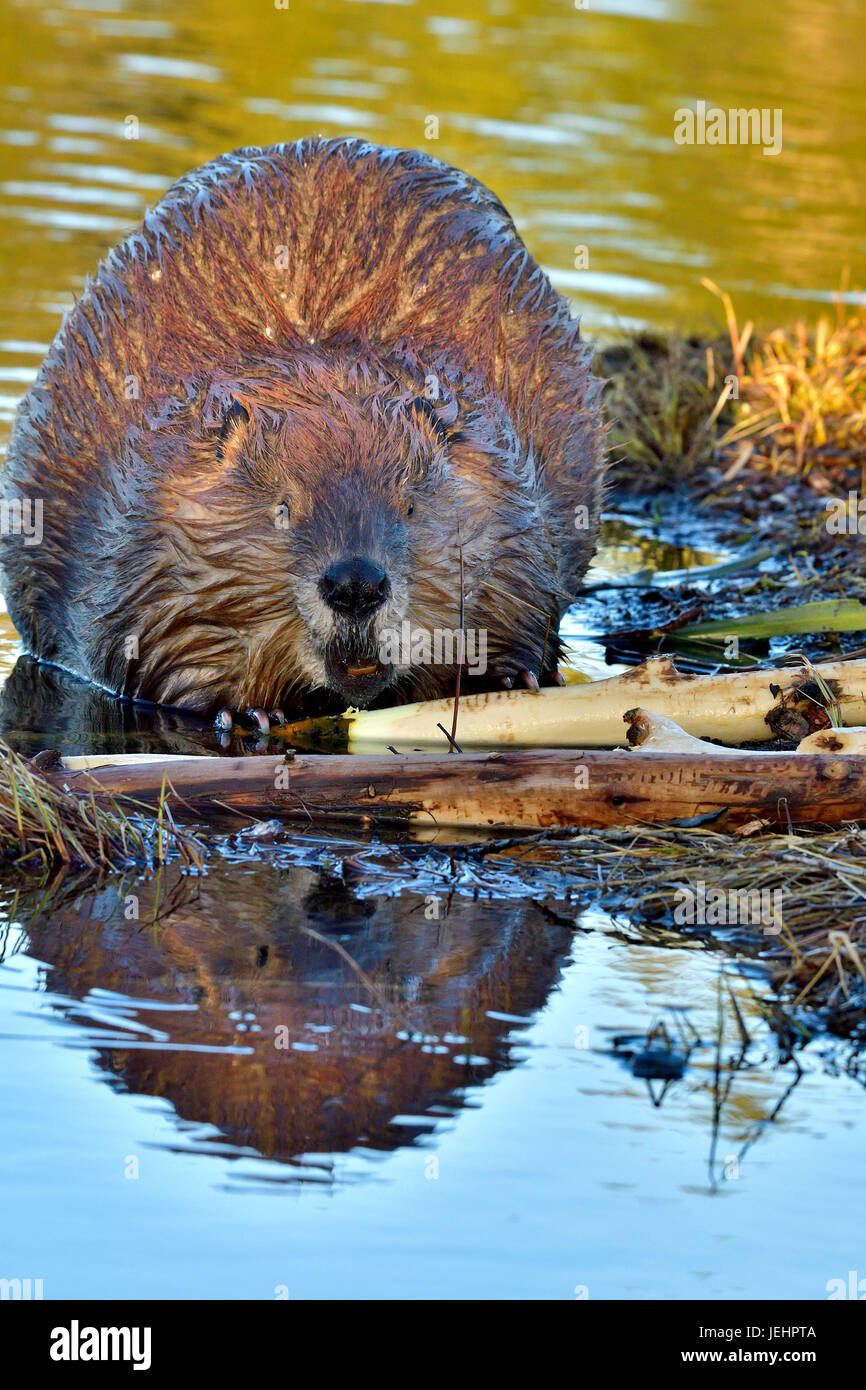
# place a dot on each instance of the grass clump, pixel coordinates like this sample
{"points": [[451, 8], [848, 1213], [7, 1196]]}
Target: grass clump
{"points": [[659, 401], [803, 399], [786, 400], [43, 826]]}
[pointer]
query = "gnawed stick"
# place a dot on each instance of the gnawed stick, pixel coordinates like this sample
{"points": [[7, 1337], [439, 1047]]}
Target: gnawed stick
{"points": [[648, 732], [536, 789], [844, 741], [733, 707]]}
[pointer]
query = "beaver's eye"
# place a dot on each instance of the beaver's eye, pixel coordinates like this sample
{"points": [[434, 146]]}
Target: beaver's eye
{"points": [[410, 509], [283, 516]]}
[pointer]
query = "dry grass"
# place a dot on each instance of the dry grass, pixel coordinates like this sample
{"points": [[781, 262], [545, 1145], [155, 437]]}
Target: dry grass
{"points": [[659, 402], [785, 400], [42, 826]]}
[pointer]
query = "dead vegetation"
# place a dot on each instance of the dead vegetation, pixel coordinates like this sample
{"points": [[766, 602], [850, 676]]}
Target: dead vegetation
{"points": [[42, 826], [787, 400]]}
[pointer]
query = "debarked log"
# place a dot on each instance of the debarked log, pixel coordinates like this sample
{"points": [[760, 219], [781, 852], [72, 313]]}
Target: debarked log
{"points": [[534, 789], [732, 706]]}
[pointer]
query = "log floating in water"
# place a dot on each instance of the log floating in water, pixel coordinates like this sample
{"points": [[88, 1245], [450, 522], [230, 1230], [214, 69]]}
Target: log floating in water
{"points": [[536, 789]]}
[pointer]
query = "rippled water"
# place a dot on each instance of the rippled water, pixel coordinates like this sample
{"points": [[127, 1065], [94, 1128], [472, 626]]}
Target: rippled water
{"points": [[324, 1071]]}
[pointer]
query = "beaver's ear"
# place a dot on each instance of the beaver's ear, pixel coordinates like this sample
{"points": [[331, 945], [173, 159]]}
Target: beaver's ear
{"points": [[441, 412], [234, 414]]}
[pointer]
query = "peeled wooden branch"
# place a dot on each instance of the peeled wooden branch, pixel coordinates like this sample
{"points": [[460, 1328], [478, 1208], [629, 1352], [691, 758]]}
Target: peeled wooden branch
{"points": [[733, 707], [652, 733], [648, 732], [541, 789], [835, 741]]}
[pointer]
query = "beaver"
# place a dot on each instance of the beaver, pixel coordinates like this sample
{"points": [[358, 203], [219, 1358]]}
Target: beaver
{"points": [[321, 396]]}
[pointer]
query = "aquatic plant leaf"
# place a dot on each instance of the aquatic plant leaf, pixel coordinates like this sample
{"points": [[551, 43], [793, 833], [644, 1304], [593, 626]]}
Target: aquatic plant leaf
{"points": [[828, 615]]}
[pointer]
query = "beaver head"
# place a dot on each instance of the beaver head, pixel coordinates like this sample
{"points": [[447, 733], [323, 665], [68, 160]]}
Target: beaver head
{"points": [[304, 523]]}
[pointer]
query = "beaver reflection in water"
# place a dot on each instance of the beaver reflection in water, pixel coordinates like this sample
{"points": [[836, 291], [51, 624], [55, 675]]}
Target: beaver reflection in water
{"points": [[320, 402]]}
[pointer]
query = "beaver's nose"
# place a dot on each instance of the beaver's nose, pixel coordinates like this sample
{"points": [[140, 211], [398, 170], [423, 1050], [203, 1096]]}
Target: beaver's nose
{"points": [[355, 587]]}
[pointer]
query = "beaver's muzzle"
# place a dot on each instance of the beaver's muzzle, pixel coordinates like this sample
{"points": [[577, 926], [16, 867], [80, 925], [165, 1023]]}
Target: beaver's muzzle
{"points": [[354, 589]]}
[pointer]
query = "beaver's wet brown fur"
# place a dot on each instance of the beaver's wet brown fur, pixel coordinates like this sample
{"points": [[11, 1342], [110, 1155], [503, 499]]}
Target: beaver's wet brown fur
{"points": [[323, 391]]}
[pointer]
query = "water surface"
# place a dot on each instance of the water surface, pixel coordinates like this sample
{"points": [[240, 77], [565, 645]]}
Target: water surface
{"points": [[222, 1104]]}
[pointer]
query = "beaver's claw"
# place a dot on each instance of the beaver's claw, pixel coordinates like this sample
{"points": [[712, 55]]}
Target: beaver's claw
{"points": [[523, 678], [225, 720], [231, 725], [530, 680]]}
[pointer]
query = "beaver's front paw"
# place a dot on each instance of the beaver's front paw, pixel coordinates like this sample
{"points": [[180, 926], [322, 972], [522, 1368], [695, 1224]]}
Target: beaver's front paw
{"points": [[227, 719], [530, 680]]}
